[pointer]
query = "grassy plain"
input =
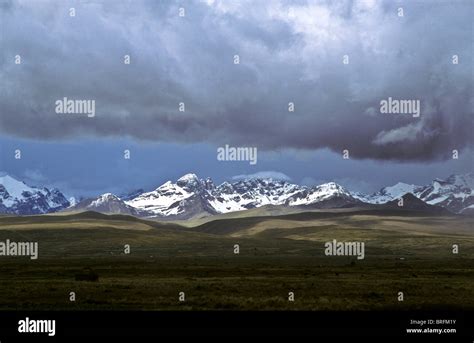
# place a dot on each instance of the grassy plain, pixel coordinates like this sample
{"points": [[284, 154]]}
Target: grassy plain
{"points": [[411, 253]]}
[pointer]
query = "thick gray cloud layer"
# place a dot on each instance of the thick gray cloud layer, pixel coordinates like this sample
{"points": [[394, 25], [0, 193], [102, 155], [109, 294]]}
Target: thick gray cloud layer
{"points": [[290, 51]]}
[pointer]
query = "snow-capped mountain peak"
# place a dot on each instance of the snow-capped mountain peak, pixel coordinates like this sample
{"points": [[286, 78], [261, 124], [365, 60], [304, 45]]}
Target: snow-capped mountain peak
{"points": [[190, 182], [331, 187], [16, 197], [389, 193], [323, 192], [104, 198], [397, 190], [188, 178], [106, 203], [14, 187], [165, 200], [455, 193]]}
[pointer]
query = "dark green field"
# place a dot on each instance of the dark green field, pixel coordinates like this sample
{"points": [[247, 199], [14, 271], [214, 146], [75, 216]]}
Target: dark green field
{"points": [[409, 253]]}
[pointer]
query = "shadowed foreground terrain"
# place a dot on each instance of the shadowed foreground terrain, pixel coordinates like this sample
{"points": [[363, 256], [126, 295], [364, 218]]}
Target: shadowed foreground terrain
{"points": [[278, 254]]}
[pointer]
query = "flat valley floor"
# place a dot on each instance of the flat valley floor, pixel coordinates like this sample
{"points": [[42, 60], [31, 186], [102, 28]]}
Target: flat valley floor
{"points": [[404, 252]]}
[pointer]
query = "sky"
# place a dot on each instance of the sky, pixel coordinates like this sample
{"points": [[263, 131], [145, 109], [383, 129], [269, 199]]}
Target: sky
{"points": [[334, 61]]}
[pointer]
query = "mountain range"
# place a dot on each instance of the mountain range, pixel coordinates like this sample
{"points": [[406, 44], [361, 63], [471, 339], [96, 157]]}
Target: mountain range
{"points": [[192, 197]]}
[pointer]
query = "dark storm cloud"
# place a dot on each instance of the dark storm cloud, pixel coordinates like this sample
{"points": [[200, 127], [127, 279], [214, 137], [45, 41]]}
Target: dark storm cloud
{"points": [[290, 51]]}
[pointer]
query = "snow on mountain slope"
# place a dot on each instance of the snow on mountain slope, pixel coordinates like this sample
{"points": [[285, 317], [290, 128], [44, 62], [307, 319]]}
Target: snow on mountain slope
{"points": [[16, 197], [455, 193], [188, 197], [250, 193], [15, 189], [390, 193], [169, 198], [131, 195], [72, 201], [191, 196], [319, 193], [104, 199], [105, 203], [161, 200]]}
